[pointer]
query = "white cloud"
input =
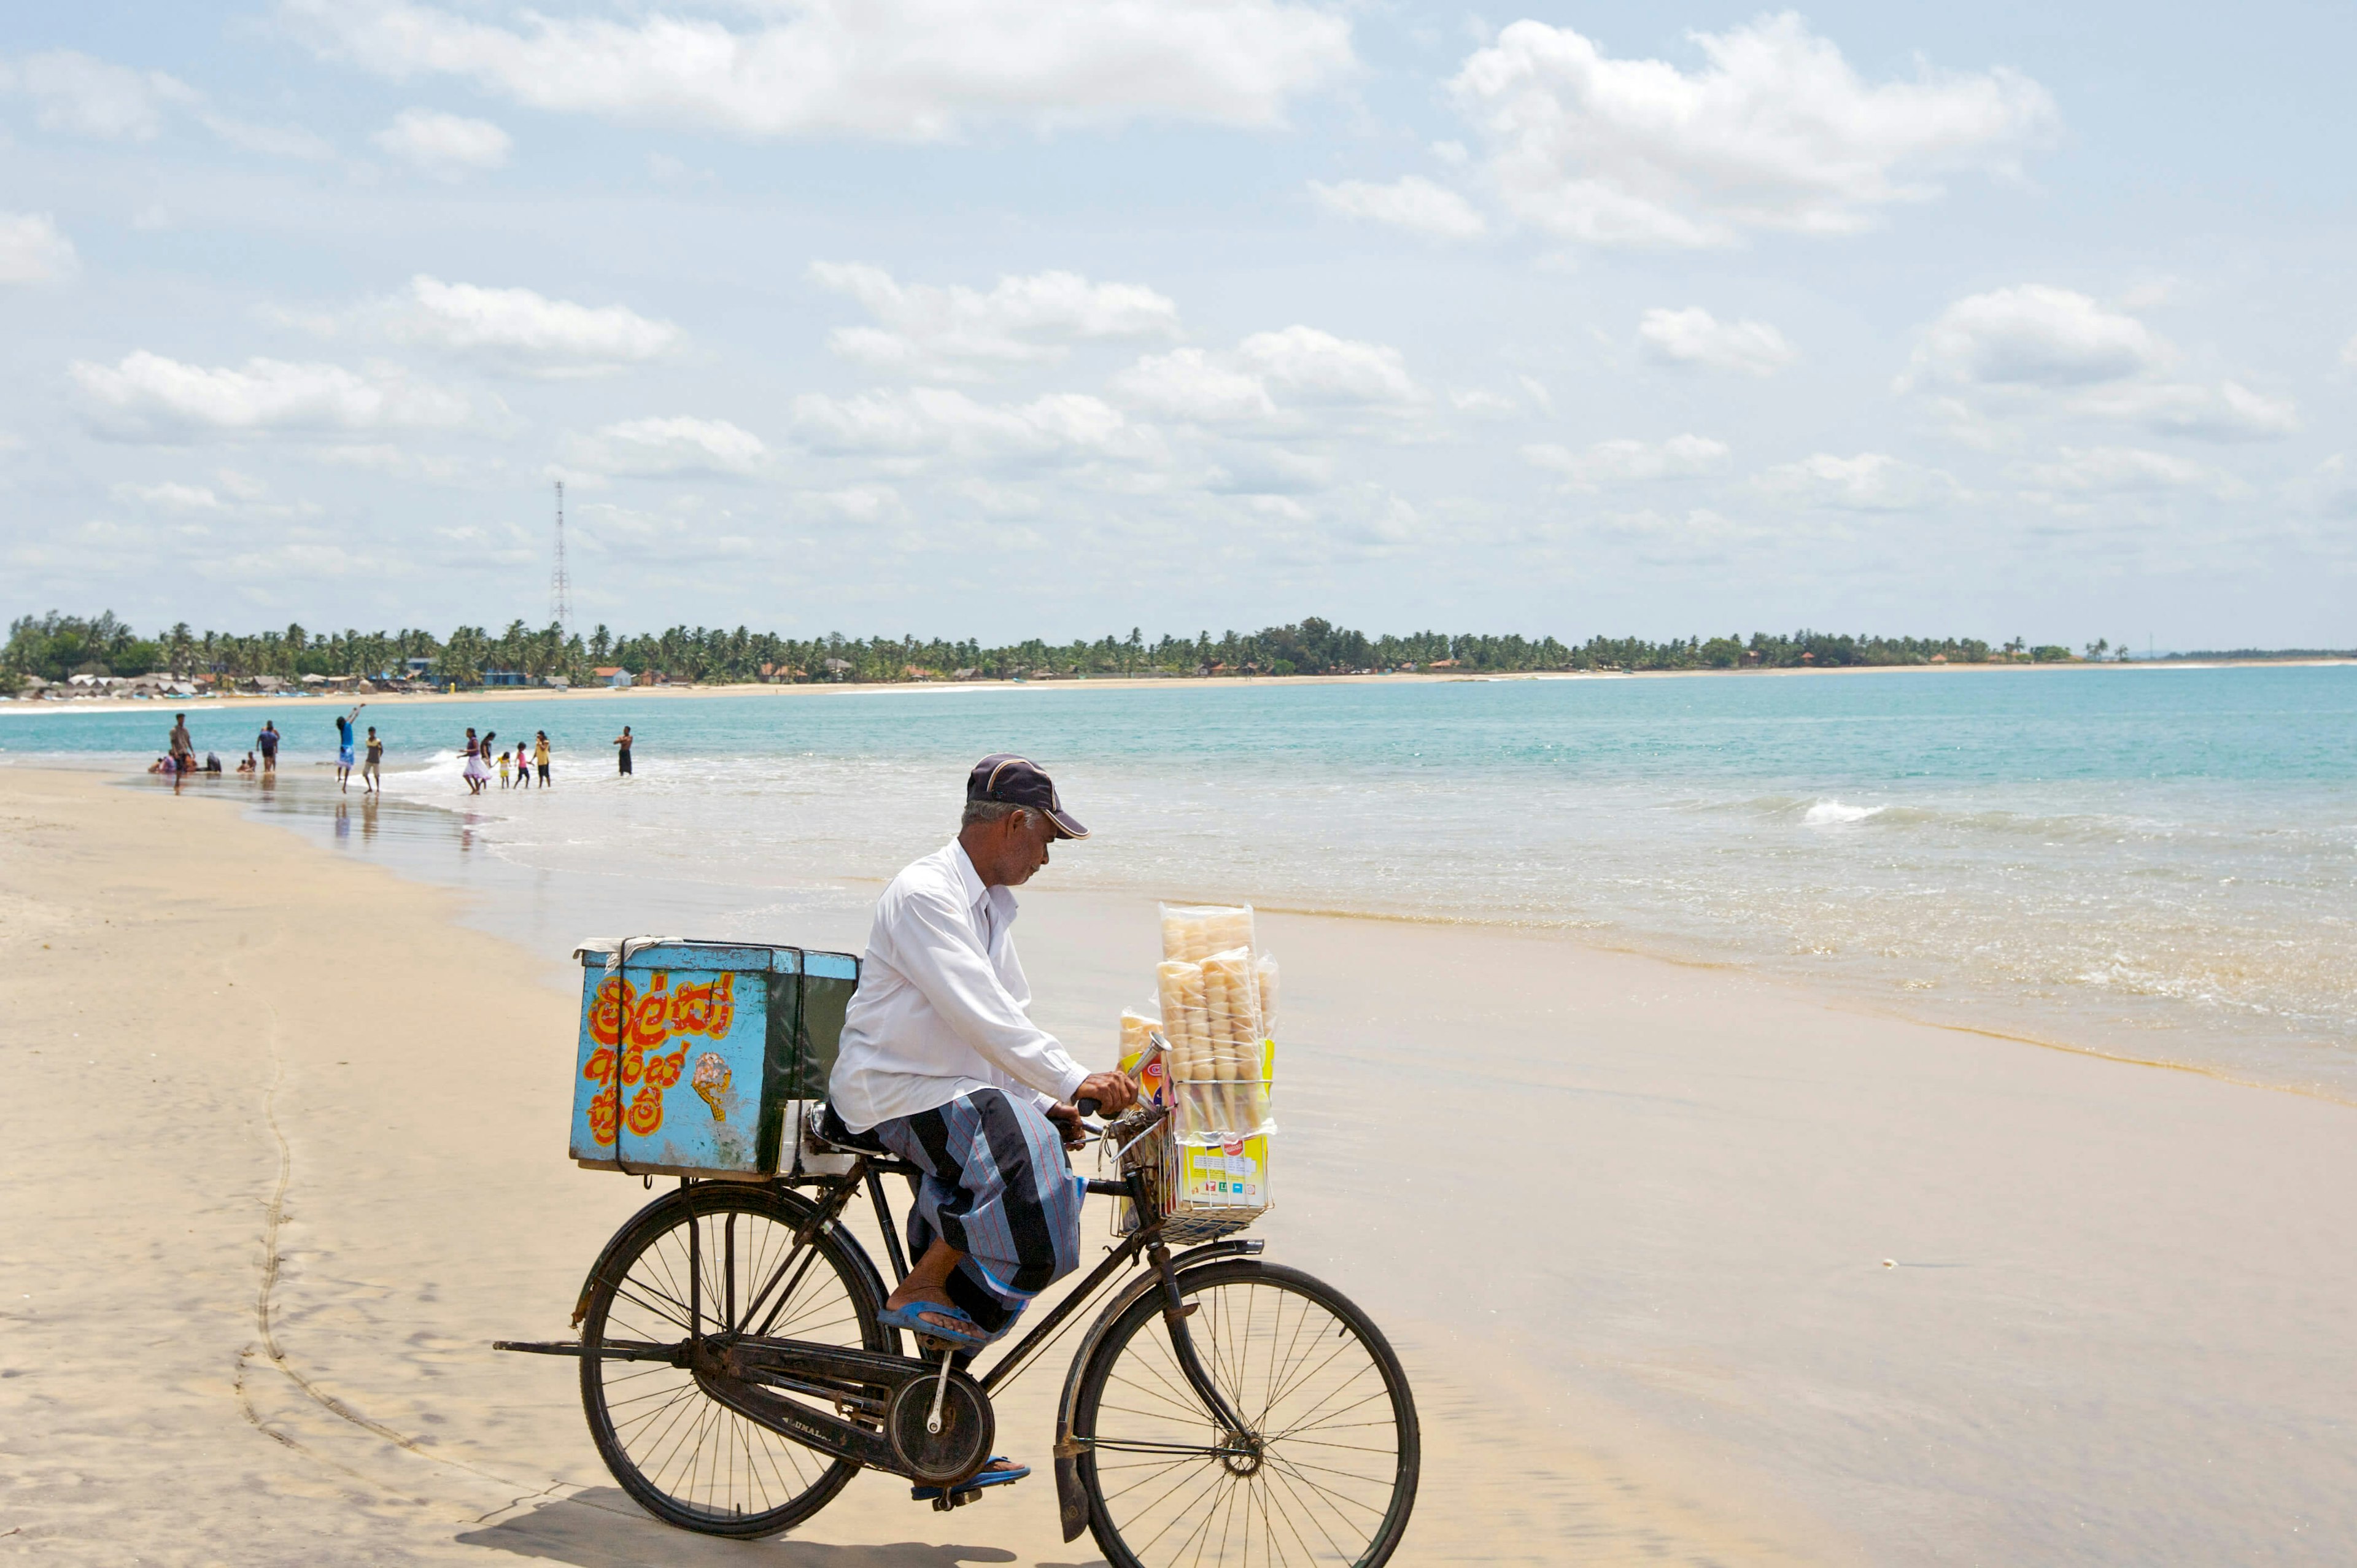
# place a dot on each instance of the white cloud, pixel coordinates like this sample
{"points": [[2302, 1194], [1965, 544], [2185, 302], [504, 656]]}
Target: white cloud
{"points": [[1187, 384], [1322, 368], [1871, 481], [88, 97], [1260, 469], [273, 141], [75, 93], [676, 445], [924, 422], [446, 144], [902, 69], [1629, 462], [2231, 412], [171, 496], [1311, 369], [2050, 350], [1539, 393], [1481, 401], [964, 333], [1776, 131], [1409, 202], [149, 398], [2349, 353], [2034, 336], [2329, 488], [1695, 336], [32, 251], [528, 332], [2115, 470], [384, 457], [864, 503]]}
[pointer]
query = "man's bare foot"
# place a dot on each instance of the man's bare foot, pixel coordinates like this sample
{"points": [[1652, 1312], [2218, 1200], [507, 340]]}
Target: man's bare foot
{"points": [[921, 1298]]}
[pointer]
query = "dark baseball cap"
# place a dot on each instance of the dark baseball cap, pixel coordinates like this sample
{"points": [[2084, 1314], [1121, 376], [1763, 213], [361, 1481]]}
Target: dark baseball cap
{"points": [[1002, 775]]}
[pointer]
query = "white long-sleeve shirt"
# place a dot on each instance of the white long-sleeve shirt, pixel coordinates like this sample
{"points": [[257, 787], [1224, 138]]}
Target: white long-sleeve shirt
{"points": [[940, 1008]]}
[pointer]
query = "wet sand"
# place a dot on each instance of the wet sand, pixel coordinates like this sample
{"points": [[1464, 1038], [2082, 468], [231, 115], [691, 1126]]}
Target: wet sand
{"points": [[286, 1148]]}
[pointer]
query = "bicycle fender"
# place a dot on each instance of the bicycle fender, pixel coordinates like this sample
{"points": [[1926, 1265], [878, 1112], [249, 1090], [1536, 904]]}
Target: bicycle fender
{"points": [[1071, 1501]]}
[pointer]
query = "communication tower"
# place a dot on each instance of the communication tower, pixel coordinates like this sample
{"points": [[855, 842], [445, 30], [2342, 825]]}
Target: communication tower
{"points": [[560, 586]]}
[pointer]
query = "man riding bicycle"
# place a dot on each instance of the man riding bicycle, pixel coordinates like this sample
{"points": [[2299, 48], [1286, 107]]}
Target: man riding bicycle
{"points": [[941, 1065]]}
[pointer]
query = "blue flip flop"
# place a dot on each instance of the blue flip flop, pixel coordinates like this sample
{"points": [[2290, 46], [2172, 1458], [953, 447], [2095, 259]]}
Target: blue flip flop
{"points": [[969, 1338], [986, 1477]]}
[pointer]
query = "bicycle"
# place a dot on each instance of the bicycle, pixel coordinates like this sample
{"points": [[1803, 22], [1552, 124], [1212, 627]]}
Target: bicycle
{"points": [[735, 1377]]}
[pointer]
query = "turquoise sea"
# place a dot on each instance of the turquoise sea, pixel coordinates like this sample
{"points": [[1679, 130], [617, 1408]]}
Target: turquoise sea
{"points": [[2154, 860]]}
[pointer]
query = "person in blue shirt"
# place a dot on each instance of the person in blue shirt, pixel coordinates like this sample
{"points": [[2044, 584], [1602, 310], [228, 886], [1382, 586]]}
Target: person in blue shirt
{"points": [[344, 748]]}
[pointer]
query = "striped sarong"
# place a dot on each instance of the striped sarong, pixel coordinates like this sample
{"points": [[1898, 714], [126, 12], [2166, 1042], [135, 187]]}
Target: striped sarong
{"points": [[998, 1187]]}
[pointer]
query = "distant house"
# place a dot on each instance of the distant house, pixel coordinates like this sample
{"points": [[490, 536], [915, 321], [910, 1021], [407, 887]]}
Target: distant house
{"points": [[611, 675], [505, 677]]}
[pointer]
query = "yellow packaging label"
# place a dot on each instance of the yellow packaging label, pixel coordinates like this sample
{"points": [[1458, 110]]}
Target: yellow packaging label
{"points": [[1226, 1175], [1154, 1084]]}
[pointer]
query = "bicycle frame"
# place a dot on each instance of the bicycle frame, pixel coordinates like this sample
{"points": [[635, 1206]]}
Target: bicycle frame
{"points": [[835, 1193], [1072, 1499], [867, 1172]]}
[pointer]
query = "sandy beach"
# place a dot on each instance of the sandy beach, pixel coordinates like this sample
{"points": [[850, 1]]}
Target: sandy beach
{"points": [[1687, 1265]]}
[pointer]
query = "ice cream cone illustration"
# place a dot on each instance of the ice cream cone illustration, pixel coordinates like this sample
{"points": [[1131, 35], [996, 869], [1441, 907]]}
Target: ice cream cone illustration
{"points": [[711, 1081]]}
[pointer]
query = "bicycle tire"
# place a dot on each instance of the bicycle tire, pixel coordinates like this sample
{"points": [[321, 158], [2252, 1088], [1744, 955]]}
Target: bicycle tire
{"points": [[1283, 1505], [686, 1459]]}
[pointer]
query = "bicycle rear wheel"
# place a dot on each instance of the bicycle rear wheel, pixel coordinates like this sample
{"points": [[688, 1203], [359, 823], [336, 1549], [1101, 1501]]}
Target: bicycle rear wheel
{"points": [[702, 1255], [1325, 1471]]}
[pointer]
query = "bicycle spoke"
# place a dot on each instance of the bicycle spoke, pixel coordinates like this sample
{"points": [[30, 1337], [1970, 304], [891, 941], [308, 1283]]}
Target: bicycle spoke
{"points": [[1317, 1479], [690, 1459]]}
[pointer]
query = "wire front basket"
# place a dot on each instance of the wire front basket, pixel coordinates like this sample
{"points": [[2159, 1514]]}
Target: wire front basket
{"points": [[1200, 1191]]}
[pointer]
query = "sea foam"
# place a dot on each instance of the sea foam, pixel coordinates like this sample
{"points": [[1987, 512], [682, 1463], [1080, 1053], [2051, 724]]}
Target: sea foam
{"points": [[1825, 813]]}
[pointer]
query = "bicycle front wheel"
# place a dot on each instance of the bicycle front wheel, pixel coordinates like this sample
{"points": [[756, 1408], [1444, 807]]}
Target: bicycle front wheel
{"points": [[716, 1261], [1325, 1470]]}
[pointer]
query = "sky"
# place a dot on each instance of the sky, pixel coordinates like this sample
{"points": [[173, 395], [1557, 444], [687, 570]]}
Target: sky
{"points": [[1013, 317]]}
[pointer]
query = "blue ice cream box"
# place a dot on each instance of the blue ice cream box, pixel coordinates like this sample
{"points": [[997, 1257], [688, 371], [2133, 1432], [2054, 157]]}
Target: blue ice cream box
{"points": [[695, 1055]]}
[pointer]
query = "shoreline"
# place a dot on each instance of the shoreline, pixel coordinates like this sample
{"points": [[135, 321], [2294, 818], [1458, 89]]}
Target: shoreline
{"points": [[1864, 998], [1770, 1279], [684, 691], [1967, 1015]]}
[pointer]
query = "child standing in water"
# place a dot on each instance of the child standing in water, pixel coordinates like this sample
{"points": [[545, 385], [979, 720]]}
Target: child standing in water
{"points": [[504, 782]]}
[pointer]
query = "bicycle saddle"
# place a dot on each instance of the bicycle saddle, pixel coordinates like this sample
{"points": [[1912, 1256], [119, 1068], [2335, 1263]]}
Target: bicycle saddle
{"points": [[826, 1129]]}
